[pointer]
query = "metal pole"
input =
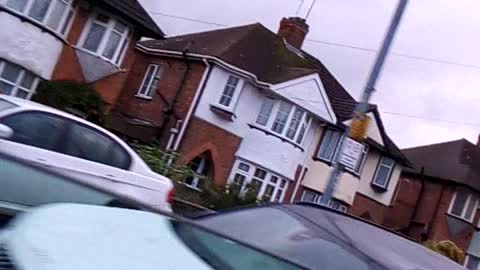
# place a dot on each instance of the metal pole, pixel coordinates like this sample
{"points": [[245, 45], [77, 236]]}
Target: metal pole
{"points": [[362, 107]]}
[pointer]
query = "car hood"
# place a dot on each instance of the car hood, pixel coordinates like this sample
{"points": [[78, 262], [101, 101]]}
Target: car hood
{"points": [[70, 236]]}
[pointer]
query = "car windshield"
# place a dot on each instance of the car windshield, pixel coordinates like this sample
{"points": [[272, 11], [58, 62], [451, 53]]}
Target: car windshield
{"points": [[5, 105], [222, 253]]}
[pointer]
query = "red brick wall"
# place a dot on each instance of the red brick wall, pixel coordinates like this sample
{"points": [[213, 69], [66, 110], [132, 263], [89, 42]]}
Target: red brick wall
{"points": [[367, 208], [176, 76], [203, 137], [291, 187], [422, 215], [68, 67]]}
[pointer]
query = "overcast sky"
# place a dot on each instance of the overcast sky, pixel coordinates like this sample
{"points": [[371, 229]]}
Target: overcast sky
{"points": [[411, 92]]}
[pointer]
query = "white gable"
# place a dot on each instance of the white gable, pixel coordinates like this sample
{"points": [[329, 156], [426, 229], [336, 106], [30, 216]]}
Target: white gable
{"points": [[308, 92], [373, 131]]}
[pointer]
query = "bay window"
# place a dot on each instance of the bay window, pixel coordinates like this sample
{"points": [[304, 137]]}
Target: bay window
{"points": [[330, 149], [54, 14], [383, 173], [284, 118], [267, 185], [105, 37], [316, 197], [17, 81], [463, 205]]}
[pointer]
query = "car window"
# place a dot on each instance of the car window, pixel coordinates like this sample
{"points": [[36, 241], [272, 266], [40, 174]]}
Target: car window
{"points": [[23, 185], [5, 105], [222, 253], [86, 143], [287, 235], [36, 129]]}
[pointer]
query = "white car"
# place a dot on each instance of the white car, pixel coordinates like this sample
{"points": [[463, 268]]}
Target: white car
{"points": [[66, 143]]}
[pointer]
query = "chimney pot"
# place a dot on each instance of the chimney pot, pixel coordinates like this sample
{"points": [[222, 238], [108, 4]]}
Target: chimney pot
{"points": [[293, 30]]}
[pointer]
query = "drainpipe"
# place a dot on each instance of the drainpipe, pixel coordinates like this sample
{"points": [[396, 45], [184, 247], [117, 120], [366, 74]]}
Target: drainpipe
{"points": [[170, 110], [194, 105], [419, 197]]}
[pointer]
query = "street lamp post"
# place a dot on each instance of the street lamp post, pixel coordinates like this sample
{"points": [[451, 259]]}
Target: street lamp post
{"points": [[361, 110]]}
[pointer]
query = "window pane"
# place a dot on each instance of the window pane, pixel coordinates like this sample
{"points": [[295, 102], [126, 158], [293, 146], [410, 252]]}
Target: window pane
{"points": [[27, 81], [57, 14], [282, 117], [295, 122], [472, 262], [39, 9], [35, 129], [238, 180], [361, 160], [382, 176], [18, 5], [387, 161], [459, 203], [119, 157], [120, 27], [259, 173], [5, 88], [94, 37], [148, 79], [265, 111], [267, 195], [21, 94], [11, 72], [67, 22], [303, 130], [329, 144], [229, 91], [471, 206], [283, 183], [112, 45], [244, 167], [309, 196], [273, 179], [85, 143], [156, 80]]}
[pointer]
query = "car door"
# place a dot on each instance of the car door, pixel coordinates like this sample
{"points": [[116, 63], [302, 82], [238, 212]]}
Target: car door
{"points": [[36, 136]]}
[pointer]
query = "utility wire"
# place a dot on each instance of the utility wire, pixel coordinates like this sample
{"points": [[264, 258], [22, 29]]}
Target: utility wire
{"points": [[420, 58], [299, 7], [310, 9], [433, 119]]}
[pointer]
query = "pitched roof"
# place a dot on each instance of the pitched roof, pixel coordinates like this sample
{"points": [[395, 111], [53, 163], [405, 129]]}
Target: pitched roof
{"points": [[258, 50], [456, 161], [133, 10]]}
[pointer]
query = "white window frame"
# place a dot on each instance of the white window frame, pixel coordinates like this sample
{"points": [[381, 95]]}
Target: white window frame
{"points": [[361, 162], [305, 121], [65, 21], [122, 47], [157, 75], [467, 259], [389, 175], [317, 200], [16, 85], [465, 207], [197, 174], [249, 176], [236, 94]]}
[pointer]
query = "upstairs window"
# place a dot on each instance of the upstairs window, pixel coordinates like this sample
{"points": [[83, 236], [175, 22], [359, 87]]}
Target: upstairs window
{"points": [[384, 172], [284, 119], [106, 37], [463, 205], [54, 14], [150, 81], [230, 92], [17, 81], [330, 149]]}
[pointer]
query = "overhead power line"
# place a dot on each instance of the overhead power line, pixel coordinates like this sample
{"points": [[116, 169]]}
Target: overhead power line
{"points": [[433, 119], [419, 58]]}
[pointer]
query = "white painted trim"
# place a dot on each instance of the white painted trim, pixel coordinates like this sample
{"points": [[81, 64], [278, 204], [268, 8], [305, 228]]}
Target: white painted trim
{"points": [[192, 105], [465, 207]]}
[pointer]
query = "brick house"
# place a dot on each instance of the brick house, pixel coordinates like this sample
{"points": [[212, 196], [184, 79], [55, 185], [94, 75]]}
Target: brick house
{"points": [[245, 105], [86, 41], [438, 198]]}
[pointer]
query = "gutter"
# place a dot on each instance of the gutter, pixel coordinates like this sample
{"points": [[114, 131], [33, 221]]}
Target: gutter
{"points": [[196, 99], [207, 57]]}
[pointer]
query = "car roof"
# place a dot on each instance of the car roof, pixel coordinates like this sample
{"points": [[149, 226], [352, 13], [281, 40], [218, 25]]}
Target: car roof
{"points": [[295, 230]]}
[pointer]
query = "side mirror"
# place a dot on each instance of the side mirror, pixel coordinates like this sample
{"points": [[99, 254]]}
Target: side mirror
{"points": [[5, 132]]}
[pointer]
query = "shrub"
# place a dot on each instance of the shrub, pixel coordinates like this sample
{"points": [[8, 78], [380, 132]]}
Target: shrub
{"points": [[73, 97], [448, 249]]}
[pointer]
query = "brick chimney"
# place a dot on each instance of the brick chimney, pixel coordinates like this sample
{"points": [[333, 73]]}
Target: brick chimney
{"points": [[293, 30]]}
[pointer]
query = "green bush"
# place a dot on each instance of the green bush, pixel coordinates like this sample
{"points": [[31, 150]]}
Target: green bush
{"points": [[71, 96]]}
